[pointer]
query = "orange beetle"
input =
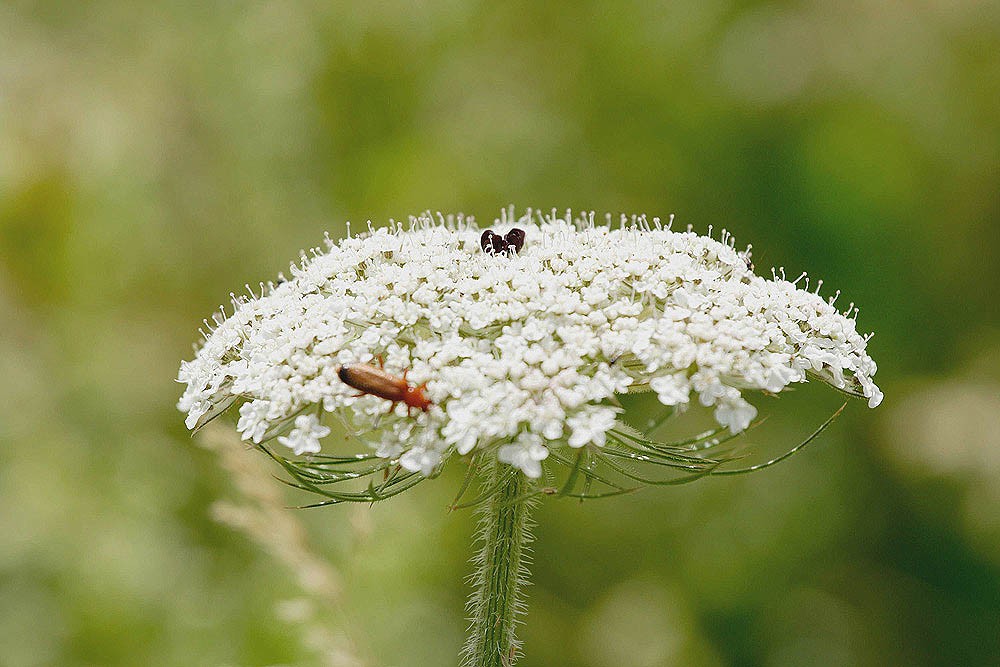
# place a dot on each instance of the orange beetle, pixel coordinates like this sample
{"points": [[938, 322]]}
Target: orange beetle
{"points": [[376, 381]]}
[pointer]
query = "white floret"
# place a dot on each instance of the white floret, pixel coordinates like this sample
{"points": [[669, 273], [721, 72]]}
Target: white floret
{"points": [[526, 453], [305, 437]]}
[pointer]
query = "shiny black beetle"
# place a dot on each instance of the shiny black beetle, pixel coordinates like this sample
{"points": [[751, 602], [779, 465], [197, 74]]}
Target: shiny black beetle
{"points": [[494, 244]]}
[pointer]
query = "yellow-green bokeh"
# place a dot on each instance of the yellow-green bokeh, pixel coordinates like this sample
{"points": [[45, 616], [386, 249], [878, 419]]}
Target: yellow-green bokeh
{"points": [[156, 156]]}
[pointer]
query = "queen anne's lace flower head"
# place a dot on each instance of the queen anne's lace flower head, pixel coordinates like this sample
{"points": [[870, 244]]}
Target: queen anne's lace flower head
{"points": [[520, 352]]}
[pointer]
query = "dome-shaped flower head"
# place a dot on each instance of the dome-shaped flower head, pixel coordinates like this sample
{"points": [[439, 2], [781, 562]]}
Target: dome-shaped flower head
{"points": [[519, 353]]}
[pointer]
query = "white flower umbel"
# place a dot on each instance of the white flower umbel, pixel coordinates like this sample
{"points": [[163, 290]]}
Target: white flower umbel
{"points": [[520, 352]]}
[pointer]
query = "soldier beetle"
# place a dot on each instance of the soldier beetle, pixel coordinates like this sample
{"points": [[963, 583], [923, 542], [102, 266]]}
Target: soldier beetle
{"points": [[376, 381]]}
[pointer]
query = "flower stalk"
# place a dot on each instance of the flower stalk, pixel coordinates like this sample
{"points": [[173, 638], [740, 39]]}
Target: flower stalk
{"points": [[501, 569]]}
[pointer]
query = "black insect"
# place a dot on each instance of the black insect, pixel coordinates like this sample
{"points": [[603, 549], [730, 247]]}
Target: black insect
{"points": [[494, 244]]}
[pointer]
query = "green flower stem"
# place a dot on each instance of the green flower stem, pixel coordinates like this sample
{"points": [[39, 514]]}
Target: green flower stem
{"points": [[501, 570]]}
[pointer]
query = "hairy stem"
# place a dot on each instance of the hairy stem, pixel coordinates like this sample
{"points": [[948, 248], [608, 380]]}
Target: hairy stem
{"points": [[501, 570]]}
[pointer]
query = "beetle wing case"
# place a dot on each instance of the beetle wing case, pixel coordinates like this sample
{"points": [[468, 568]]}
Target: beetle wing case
{"points": [[372, 380]]}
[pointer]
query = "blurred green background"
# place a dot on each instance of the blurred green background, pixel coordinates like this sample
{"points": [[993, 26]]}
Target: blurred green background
{"points": [[156, 156]]}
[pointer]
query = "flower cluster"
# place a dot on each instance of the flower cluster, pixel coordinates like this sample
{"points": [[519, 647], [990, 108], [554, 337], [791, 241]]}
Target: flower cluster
{"points": [[520, 352]]}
